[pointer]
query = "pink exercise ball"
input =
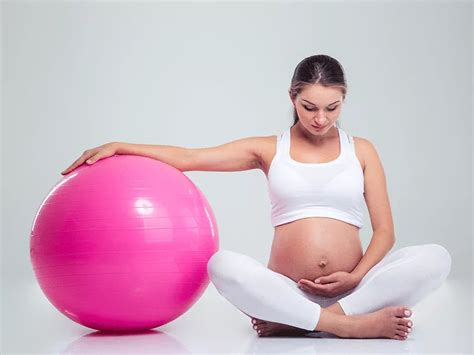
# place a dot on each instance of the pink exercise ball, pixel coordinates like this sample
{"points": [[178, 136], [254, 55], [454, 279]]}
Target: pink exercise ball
{"points": [[123, 244]]}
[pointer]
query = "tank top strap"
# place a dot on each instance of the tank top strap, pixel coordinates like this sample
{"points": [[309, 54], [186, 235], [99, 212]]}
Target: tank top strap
{"points": [[282, 142], [351, 143], [344, 137]]}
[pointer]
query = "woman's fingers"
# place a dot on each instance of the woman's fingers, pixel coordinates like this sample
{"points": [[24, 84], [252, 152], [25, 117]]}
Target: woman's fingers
{"points": [[78, 162], [317, 289], [90, 156]]}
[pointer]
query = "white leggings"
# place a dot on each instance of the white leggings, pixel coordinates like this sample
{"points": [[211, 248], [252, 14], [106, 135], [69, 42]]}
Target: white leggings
{"points": [[402, 278]]}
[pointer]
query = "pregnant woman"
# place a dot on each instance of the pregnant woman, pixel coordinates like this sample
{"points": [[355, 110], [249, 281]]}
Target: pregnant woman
{"points": [[317, 277]]}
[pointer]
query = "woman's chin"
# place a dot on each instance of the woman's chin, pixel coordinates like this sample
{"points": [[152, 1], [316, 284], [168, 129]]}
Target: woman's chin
{"points": [[320, 129]]}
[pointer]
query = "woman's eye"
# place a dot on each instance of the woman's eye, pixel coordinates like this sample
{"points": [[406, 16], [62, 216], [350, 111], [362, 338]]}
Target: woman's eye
{"points": [[329, 109]]}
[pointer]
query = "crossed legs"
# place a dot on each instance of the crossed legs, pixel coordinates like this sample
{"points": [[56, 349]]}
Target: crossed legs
{"points": [[402, 278]]}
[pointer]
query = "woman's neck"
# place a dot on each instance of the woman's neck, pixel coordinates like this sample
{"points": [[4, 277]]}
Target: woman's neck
{"points": [[316, 139]]}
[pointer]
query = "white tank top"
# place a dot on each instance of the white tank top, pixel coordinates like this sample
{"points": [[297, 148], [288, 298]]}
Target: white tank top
{"points": [[300, 190]]}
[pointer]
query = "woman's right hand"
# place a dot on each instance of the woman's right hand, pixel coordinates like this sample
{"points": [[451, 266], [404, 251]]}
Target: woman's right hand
{"points": [[330, 285], [90, 156]]}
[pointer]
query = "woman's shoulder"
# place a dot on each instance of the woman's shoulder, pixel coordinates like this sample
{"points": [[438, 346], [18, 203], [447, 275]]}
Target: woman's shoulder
{"points": [[365, 150]]}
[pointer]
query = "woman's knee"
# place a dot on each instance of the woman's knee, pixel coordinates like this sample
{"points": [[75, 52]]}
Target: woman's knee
{"points": [[217, 262], [225, 265], [438, 259]]}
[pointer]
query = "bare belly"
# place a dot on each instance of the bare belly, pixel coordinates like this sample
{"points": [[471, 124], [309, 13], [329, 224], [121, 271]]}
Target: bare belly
{"points": [[313, 247]]}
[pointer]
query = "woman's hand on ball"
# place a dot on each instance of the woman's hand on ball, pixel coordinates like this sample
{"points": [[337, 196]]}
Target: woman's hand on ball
{"points": [[90, 156]]}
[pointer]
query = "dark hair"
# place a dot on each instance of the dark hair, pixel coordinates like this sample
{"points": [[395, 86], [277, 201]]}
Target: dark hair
{"points": [[317, 69]]}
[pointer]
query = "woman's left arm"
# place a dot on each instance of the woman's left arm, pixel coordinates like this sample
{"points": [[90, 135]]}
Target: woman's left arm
{"points": [[378, 204], [380, 244]]}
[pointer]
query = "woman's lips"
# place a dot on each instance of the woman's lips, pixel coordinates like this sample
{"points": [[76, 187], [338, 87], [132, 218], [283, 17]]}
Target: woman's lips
{"points": [[318, 128]]}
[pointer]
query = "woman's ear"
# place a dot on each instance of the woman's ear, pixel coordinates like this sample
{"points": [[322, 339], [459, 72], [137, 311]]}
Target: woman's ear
{"points": [[291, 98]]}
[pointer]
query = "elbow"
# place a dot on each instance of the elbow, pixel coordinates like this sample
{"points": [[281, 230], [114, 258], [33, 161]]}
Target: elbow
{"points": [[391, 236]]}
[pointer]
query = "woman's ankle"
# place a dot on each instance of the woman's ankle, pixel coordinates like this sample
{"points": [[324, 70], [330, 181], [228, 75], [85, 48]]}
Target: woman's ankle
{"points": [[336, 308], [332, 322]]}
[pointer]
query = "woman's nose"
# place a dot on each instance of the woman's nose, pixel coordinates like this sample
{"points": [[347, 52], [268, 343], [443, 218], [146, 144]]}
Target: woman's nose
{"points": [[321, 121]]}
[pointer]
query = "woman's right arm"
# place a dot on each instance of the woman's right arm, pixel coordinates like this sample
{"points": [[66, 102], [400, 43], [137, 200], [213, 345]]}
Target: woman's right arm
{"points": [[178, 157], [175, 156], [238, 155]]}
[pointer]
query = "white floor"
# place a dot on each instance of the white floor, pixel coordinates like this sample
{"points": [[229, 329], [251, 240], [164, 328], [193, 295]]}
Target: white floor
{"points": [[442, 323]]}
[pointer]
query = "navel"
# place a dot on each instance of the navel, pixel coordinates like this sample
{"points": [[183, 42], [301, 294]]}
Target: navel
{"points": [[323, 263]]}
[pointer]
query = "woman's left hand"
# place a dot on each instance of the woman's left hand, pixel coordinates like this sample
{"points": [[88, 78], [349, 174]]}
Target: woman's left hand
{"points": [[331, 285]]}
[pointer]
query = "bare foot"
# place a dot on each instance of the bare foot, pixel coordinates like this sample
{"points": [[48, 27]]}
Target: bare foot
{"points": [[266, 328], [389, 322]]}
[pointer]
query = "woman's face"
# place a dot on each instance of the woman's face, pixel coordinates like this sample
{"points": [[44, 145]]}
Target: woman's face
{"points": [[318, 107]]}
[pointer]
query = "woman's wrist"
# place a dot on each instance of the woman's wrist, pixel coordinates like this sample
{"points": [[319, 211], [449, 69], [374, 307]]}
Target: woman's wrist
{"points": [[357, 276], [116, 146]]}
